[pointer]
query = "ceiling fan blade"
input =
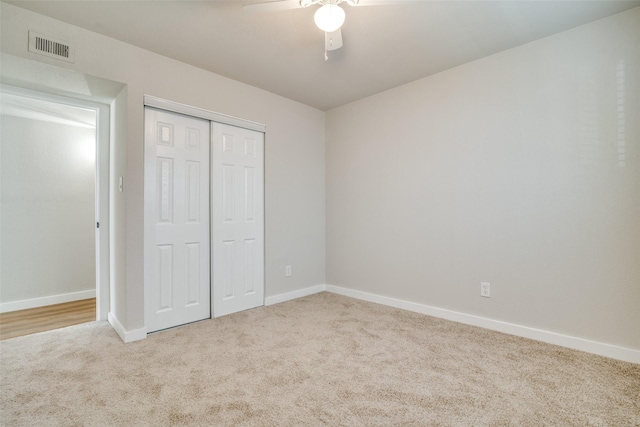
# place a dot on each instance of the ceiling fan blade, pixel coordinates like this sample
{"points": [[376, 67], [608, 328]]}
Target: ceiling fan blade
{"points": [[272, 6], [333, 40], [384, 2]]}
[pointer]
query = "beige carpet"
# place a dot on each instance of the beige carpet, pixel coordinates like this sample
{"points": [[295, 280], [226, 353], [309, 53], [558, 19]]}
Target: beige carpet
{"points": [[319, 360]]}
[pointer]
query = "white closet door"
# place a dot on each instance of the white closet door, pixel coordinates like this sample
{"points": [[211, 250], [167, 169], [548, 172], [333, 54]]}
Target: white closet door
{"points": [[237, 218], [176, 198]]}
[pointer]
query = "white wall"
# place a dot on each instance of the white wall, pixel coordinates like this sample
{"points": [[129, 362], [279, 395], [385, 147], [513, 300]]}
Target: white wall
{"points": [[521, 169], [294, 157], [48, 209]]}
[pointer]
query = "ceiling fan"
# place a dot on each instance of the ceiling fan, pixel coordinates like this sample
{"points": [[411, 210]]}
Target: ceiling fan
{"points": [[329, 17]]}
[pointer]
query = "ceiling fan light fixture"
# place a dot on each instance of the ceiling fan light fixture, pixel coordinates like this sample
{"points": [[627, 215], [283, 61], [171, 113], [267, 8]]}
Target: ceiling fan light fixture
{"points": [[329, 18]]}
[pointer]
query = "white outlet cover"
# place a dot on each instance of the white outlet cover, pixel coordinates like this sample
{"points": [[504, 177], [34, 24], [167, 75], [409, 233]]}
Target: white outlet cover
{"points": [[485, 289]]}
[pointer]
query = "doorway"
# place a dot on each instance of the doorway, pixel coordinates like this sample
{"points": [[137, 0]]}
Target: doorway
{"points": [[53, 203]]}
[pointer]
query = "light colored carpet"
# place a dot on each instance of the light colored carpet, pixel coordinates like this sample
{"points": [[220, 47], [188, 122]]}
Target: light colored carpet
{"points": [[319, 360]]}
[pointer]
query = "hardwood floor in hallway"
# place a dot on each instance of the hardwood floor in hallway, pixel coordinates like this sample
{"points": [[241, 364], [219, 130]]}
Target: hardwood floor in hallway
{"points": [[40, 319]]}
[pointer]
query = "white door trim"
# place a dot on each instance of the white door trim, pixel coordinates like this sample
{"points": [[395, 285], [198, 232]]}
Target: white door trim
{"points": [[102, 186], [176, 107]]}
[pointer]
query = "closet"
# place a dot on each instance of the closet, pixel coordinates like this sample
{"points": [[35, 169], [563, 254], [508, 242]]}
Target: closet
{"points": [[203, 214]]}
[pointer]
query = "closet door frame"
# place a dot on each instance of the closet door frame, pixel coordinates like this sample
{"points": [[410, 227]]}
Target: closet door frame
{"points": [[174, 107]]}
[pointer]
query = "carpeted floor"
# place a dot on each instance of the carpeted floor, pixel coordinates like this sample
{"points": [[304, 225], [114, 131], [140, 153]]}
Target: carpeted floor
{"points": [[319, 360]]}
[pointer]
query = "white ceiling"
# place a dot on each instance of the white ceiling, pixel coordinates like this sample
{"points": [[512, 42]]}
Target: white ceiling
{"points": [[283, 52]]}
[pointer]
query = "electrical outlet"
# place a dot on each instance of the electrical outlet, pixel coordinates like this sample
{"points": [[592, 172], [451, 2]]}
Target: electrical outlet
{"points": [[287, 271], [485, 289]]}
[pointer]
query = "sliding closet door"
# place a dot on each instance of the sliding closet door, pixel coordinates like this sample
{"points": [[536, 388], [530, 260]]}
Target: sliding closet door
{"points": [[237, 183], [176, 197]]}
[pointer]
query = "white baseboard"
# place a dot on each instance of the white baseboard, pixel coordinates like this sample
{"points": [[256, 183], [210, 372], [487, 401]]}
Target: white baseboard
{"points": [[594, 347], [6, 307], [602, 349], [126, 336], [294, 294]]}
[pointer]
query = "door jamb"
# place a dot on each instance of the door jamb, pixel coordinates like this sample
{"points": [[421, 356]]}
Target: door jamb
{"points": [[102, 186]]}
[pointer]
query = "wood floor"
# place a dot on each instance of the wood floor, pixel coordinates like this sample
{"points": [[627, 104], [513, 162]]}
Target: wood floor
{"points": [[25, 322]]}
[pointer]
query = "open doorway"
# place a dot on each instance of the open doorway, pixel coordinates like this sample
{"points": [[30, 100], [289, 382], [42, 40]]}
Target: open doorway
{"points": [[53, 271]]}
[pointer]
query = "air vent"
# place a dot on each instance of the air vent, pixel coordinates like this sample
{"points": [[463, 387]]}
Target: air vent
{"points": [[51, 47]]}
